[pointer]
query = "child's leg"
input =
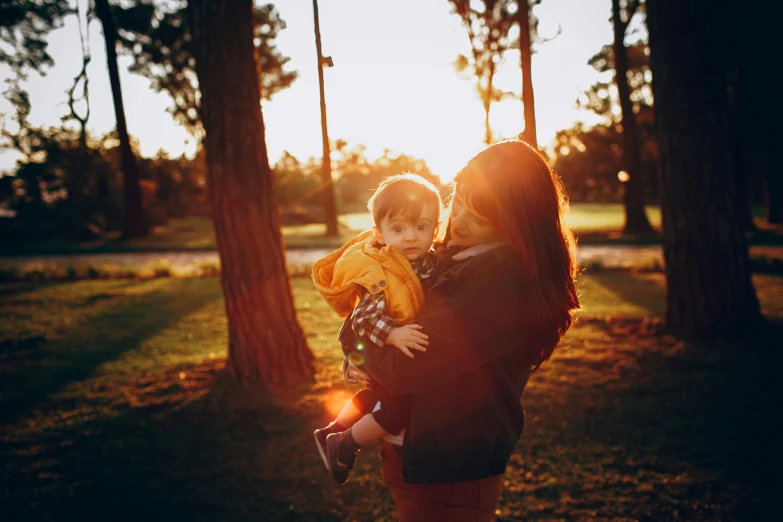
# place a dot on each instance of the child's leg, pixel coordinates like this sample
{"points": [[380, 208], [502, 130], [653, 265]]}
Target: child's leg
{"points": [[361, 403], [392, 417], [367, 430], [356, 408], [341, 448], [349, 415]]}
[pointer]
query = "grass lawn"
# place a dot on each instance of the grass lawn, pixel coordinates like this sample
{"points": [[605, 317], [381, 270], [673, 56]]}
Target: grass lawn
{"points": [[595, 223], [586, 218], [115, 406]]}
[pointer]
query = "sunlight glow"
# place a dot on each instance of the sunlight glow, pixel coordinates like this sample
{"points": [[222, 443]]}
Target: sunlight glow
{"points": [[384, 91], [334, 401], [356, 359]]}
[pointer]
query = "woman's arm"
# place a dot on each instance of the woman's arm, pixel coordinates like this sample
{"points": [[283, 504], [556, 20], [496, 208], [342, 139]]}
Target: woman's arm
{"points": [[479, 321]]}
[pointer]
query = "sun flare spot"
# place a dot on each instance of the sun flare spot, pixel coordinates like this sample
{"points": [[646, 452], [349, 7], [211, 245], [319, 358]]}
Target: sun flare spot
{"points": [[334, 402], [356, 359]]}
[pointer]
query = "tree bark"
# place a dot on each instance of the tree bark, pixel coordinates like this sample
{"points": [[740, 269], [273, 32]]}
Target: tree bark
{"points": [[330, 207], [135, 222], [773, 189], [708, 278], [758, 118], [78, 180], [742, 116], [266, 342], [487, 126], [742, 173], [487, 102], [526, 54], [636, 221]]}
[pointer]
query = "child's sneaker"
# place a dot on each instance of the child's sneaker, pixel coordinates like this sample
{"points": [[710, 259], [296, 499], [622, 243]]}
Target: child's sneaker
{"points": [[320, 442], [340, 461]]}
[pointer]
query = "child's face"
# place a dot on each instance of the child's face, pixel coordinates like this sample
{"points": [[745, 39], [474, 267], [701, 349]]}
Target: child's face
{"points": [[413, 240]]}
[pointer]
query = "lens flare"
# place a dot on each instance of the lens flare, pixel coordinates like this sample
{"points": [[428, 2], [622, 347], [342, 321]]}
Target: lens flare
{"points": [[356, 359], [334, 402]]}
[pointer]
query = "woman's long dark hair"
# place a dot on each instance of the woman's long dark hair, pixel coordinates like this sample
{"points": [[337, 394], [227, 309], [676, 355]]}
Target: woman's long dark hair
{"points": [[511, 185]]}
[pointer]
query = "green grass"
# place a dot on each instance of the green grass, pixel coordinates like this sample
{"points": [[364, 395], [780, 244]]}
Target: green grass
{"points": [[586, 218], [197, 232], [595, 223], [116, 405]]}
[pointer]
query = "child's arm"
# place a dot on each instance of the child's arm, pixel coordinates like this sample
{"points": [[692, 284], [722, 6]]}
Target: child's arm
{"points": [[368, 321]]}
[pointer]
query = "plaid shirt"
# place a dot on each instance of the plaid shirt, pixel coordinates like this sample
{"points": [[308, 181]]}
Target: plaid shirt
{"points": [[368, 320]]}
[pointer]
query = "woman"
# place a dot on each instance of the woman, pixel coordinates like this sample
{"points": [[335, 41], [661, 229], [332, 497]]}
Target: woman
{"points": [[496, 312]]}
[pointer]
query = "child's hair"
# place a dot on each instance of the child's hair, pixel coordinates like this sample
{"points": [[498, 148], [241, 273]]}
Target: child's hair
{"points": [[403, 195]]}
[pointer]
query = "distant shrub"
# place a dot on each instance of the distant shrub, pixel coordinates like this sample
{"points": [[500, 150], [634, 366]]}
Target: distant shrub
{"points": [[161, 270], [207, 269]]}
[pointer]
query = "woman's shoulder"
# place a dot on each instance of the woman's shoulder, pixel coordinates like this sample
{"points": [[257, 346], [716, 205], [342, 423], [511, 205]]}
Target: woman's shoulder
{"points": [[494, 255], [499, 261]]}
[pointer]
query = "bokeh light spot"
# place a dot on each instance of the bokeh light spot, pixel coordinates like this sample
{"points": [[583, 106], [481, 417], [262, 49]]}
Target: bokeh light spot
{"points": [[356, 359], [334, 402]]}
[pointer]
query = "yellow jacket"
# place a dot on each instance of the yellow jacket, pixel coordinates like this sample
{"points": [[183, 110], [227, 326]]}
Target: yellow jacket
{"points": [[359, 263]]}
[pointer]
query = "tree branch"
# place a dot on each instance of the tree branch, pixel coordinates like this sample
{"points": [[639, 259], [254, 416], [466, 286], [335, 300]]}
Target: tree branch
{"points": [[540, 40], [631, 10], [86, 57]]}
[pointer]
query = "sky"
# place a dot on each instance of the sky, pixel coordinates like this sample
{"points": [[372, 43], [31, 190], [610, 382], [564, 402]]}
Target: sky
{"points": [[393, 84]]}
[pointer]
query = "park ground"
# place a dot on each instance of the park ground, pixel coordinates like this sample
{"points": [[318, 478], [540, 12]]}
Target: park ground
{"points": [[116, 405], [186, 247], [595, 223]]}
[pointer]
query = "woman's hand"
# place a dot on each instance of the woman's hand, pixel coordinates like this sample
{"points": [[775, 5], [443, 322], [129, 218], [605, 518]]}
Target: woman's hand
{"points": [[354, 374], [407, 338]]}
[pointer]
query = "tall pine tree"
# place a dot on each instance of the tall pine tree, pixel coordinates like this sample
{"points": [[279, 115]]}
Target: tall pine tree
{"points": [[266, 342], [709, 290]]}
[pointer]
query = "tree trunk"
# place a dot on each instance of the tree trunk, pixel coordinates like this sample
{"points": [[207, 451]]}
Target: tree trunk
{"points": [[709, 289], [758, 118], [330, 207], [773, 177], [742, 116], [135, 223], [77, 182], [266, 342], [80, 184], [742, 173], [487, 102], [636, 221], [528, 101], [487, 126]]}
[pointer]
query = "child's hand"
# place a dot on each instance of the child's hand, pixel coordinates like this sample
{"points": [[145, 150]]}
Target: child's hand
{"points": [[355, 375], [408, 337]]}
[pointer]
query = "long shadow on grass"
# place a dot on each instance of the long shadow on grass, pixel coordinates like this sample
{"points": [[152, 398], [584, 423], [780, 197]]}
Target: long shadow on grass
{"points": [[228, 454], [8, 290], [39, 371], [687, 433], [642, 292]]}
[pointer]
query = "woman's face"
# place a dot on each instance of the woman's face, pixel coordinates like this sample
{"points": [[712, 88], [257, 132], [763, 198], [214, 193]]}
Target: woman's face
{"points": [[468, 228]]}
